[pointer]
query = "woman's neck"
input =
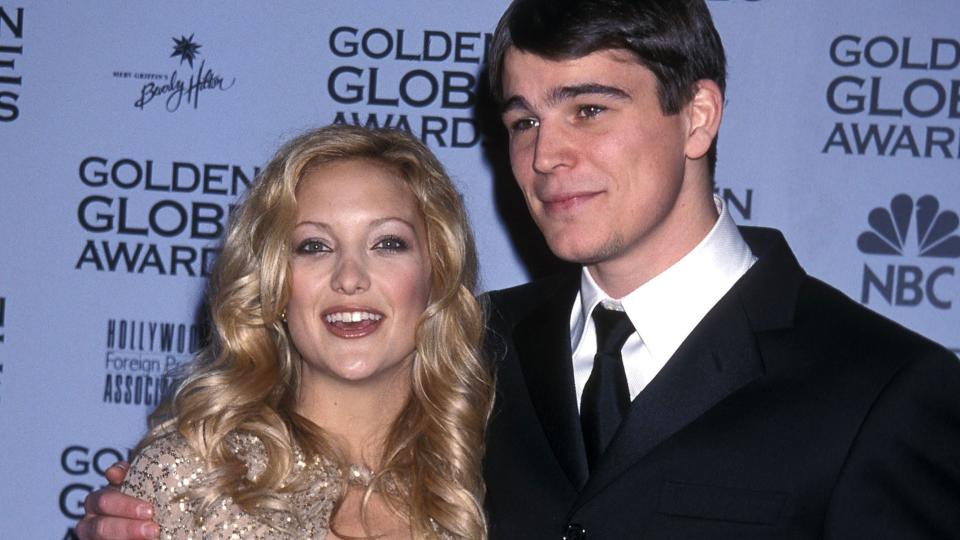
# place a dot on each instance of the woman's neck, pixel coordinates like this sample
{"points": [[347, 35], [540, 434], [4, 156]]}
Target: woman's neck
{"points": [[358, 414]]}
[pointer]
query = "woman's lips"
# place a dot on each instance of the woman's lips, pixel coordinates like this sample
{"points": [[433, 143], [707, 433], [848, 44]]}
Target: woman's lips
{"points": [[352, 322]]}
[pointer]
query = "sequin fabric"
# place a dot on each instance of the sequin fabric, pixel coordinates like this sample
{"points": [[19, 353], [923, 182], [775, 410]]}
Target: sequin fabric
{"points": [[165, 471]]}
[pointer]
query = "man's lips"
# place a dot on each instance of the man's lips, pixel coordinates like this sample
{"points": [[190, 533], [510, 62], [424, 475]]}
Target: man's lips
{"points": [[352, 322], [567, 201]]}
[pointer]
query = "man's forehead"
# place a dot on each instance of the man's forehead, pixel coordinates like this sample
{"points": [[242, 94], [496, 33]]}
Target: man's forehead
{"points": [[526, 72], [614, 54], [516, 60]]}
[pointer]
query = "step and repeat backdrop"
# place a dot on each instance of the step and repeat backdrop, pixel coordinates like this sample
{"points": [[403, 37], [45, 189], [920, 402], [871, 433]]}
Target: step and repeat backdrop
{"points": [[129, 129]]}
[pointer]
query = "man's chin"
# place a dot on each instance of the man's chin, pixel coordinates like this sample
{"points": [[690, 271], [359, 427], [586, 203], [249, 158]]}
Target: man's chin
{"points": [[585, 254]]}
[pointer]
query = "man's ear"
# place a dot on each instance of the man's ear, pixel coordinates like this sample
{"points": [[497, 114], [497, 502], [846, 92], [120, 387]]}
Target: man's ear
{"points": [[703, 113]]}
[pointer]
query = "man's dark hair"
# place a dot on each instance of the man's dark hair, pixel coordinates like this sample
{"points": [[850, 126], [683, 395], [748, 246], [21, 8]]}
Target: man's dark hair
{"points": [[675, 39]]}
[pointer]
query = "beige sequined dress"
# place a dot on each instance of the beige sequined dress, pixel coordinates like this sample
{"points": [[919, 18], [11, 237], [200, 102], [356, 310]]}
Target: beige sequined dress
{"points": [[164, 471]]}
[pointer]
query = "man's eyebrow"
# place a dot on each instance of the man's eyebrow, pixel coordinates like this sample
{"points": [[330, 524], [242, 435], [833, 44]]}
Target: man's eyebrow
{"points": [[514, 103], [563, 93]]}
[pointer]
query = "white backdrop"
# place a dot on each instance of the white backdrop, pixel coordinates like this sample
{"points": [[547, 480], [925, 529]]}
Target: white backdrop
{"points": [[128, 129]]}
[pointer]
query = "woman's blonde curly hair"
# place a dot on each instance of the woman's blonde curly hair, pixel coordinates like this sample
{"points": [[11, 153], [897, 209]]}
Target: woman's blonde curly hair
{"points": [[247, 379]]}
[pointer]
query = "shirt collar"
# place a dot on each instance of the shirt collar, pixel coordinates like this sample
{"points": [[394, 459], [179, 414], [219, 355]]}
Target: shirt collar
{"points": [[665, 309]]}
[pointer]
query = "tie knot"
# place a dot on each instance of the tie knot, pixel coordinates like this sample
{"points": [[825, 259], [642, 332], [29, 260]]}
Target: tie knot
{"points": [[613, 329]]}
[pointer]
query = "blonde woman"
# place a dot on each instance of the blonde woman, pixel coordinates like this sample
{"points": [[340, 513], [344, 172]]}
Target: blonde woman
{"points": [[343, 394]]}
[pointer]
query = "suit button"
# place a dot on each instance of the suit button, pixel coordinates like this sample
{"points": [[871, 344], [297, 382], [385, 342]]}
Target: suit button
{"points": [[574, 531]]}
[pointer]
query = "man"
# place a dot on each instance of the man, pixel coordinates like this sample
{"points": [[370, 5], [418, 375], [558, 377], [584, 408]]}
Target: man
{"points": [[690, 381]]}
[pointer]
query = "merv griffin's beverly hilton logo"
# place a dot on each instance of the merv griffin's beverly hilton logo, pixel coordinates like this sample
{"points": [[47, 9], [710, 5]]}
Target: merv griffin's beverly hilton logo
{"points": [[176, 88], [890, 234]]}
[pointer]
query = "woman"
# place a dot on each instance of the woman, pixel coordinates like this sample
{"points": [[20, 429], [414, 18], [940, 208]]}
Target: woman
{"points": [[343, 394]]}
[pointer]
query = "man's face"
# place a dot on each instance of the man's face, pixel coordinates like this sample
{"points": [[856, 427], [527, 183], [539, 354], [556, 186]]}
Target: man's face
{"points": [[601, 167]]}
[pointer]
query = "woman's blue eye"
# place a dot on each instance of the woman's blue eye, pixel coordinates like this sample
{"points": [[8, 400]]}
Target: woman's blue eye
{"points": [[391, 243], [313, 246]]}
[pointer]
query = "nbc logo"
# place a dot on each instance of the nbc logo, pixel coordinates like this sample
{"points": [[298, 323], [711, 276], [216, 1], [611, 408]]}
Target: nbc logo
{"points": [[911, 228]]}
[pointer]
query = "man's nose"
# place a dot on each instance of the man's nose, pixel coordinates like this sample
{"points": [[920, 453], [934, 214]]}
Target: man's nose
{"points": [[554, 148]]}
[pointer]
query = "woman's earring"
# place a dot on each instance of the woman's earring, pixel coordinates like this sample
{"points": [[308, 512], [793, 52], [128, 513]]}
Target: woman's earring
{"points": [[283, 315]]}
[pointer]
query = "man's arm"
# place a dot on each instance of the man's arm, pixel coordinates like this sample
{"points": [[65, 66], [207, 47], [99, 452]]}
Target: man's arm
{"points": [[111, 515], [902, 476]]}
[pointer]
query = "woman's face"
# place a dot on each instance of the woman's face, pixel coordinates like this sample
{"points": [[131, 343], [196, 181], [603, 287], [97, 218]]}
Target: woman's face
{"points": [[360, 272]]}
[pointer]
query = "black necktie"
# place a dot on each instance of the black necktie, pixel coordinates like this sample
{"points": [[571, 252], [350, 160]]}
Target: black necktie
{"points": [[606, 396]]}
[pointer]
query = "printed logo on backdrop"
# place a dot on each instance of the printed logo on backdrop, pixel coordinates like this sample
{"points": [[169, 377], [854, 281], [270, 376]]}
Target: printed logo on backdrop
{"points": [[85, 469], [141, 358], [895, 96], [183, 84], [11, 49], [913, 246], [151, 217], [423, 82]]}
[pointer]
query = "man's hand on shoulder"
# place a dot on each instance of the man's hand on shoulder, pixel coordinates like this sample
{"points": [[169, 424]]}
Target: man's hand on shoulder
{"points": [[111, 515]]}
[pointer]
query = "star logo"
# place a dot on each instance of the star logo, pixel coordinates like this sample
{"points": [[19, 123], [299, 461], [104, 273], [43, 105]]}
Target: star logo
{"points": [[186, 49]]}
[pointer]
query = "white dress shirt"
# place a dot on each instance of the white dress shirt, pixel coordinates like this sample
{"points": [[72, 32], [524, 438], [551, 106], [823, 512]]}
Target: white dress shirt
{"points": [[663, 310]]}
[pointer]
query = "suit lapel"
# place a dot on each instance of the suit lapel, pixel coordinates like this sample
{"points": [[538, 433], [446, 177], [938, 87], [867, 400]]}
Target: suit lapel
{"points": [[542, 340], [719, 357]]}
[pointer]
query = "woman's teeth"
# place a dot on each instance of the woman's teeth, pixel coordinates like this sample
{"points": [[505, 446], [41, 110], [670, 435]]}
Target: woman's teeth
{"points": [[352, 316]]}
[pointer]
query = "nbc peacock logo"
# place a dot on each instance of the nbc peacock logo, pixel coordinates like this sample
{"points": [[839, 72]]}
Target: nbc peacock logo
{"points": [[935, 230], [916, 229]]}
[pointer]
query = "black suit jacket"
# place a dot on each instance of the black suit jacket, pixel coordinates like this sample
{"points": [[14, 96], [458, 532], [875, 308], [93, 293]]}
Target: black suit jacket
{"points": [[789, 412]]}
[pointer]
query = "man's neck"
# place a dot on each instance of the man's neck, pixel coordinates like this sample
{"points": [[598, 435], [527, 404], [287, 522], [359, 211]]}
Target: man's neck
{"points": [[673, 239]]}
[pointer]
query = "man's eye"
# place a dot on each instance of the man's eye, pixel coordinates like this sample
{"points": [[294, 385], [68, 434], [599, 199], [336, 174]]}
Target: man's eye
{"points": [[589, 111], [391, 243], [524, 124], [313, 246]]}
